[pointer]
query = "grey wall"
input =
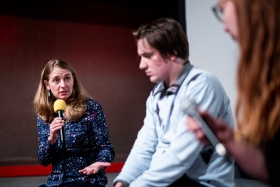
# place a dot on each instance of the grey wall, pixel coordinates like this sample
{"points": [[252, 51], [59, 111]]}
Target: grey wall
{"points": [[211, 48]]}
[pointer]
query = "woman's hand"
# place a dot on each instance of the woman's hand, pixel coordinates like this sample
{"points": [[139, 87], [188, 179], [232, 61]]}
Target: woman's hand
{"points": [[247, 156], [222, 131], [94, 168], [55, 126]]}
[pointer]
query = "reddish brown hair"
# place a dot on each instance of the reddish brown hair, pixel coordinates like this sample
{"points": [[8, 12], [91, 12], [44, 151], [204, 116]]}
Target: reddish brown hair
{"points": [[258, 76]]}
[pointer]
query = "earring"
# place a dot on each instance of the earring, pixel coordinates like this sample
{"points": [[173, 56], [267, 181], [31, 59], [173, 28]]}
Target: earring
{"points": [[49, 93]]}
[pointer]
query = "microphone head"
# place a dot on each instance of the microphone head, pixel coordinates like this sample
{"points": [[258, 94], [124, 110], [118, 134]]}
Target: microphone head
{"points": [[189, 107], [59, 105]]}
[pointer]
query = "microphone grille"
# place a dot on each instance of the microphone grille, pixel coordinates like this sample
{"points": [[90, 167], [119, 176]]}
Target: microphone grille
{"points": [[59, 105]]}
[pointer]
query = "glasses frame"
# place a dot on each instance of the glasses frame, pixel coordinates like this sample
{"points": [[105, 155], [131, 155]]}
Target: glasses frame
{"points": [[218, 12]]}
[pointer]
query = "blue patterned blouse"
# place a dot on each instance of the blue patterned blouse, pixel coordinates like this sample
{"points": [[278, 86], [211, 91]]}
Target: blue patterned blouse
{"points": [[87, 142]]}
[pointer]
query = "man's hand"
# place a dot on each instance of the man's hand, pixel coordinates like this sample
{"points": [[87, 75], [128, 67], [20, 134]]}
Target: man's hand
{"points": [[119, 184]]}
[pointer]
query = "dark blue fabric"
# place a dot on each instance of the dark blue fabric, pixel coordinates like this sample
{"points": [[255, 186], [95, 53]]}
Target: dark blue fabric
{"points": [[87, 142]]}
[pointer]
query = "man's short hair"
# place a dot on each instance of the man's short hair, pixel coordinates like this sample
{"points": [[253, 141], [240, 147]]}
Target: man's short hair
{"points": [[166, 35]]}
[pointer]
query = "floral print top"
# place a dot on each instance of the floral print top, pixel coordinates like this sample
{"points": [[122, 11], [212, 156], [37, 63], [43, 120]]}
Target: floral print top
{"points": [[87, 142]]}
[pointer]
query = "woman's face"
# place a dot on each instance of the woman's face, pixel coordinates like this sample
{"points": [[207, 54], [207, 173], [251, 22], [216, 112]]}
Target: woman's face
{"points": [[61, 82], [229, 17]]}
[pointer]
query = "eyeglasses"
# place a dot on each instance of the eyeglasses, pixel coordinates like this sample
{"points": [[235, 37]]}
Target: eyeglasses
{"points": [[218, 12]]}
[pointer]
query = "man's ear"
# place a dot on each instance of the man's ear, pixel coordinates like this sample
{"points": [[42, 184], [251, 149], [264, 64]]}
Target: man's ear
{"points": [[172, 57], [47, 84]]}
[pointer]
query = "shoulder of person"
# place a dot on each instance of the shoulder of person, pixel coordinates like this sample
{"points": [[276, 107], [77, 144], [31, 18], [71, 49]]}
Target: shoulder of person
{"points": [[91, 103], [203, 72], [41, 120], [201, 75]]}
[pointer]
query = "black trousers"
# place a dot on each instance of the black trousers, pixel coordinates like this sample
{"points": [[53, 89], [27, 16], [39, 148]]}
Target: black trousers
{"points": [[76, 184], [185, 181]]}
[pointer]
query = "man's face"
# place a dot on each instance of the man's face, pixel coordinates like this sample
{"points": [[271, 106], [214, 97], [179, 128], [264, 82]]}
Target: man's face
{"points": [[156, 67]]}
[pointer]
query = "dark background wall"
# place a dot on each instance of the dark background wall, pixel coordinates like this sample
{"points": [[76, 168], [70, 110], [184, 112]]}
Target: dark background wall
{"points": [[95, 37]]}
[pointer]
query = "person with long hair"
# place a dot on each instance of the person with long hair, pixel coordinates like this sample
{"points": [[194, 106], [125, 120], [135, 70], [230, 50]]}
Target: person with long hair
{"points": [[255, 25], [80, 160]]}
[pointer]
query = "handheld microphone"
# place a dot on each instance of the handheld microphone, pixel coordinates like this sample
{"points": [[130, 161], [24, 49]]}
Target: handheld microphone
{"points": [[60, 107], [190, 107]]}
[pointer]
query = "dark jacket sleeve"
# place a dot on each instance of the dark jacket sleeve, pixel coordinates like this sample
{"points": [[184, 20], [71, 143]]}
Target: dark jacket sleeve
{"points": [[105, 148], [46, 151]]}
